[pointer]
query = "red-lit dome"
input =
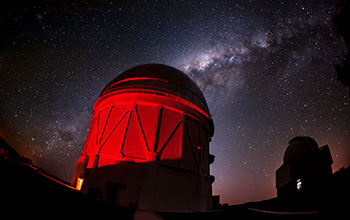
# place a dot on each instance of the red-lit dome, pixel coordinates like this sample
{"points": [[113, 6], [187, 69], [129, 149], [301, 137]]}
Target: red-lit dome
{"points": [[159, 77], [148, 142]]}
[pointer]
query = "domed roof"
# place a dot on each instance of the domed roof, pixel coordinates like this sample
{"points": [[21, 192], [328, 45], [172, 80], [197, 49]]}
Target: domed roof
{"points": [[159, 77], [298, 147]]}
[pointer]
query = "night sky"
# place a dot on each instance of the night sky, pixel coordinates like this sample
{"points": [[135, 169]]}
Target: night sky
{"points": [[266, 68]]}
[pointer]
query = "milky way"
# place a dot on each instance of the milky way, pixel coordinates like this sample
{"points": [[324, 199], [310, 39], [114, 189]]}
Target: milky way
{"points": [[267, 70]]}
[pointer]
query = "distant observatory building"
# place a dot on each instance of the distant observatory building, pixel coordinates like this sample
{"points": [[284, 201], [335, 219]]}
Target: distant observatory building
{"points": [[305, 169], [148, 143]]}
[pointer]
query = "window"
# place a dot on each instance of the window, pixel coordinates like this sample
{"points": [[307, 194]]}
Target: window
{"points": [[299, 185], [80, 182]]}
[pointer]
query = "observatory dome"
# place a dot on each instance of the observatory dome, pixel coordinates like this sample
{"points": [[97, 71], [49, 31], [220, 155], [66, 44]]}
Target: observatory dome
{"points": [[148, 143], [159, 77], [305, 168], [300, 147]]}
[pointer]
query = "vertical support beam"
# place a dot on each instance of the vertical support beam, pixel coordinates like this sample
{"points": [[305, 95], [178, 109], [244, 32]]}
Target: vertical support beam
{"points": [[104, 127], [143, 133], [192, 146], [126, 129], [168, 139], [159, 121]]}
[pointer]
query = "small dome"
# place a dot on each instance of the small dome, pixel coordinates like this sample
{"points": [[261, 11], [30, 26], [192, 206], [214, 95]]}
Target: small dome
{"points": [[161, 78], [300, 147]]}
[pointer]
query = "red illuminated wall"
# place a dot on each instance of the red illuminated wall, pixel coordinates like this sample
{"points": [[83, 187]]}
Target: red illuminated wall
{"points": [[143, 126], [148, 142]]}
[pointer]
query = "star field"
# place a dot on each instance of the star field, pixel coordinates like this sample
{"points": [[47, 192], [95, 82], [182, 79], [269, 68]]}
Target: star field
{"points": [[267, 70]]}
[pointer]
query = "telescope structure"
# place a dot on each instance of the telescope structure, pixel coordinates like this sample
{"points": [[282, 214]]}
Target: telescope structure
{"points": [[148, 143], [306, 168]]}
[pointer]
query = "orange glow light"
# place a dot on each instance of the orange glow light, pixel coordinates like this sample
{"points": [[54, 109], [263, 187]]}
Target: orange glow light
{"points": [[80, 182]]}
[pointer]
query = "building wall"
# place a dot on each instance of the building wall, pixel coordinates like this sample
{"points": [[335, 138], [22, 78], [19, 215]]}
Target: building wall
{"points": [[150, 186], [311, 171], [150, 151]]}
